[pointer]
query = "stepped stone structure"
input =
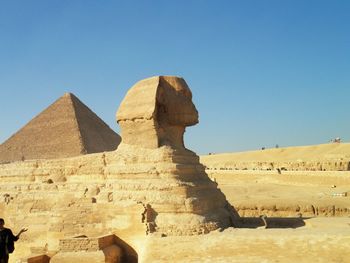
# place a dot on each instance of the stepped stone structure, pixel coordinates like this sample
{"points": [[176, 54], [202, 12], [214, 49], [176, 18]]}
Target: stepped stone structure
{"points": [[66, 128], [150, 185]]}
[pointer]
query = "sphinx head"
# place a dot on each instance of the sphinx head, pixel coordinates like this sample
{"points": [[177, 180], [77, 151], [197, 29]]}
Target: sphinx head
{"points": [[156, 111]]}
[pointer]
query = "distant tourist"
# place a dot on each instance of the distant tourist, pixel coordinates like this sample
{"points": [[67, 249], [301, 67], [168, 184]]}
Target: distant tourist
{"points": [[336, 140], [7, 240]]}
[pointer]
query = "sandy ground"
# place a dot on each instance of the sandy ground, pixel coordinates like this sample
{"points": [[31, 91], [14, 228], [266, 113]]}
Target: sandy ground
{"points": [[303, 239], [320, 240], [311, 152]]}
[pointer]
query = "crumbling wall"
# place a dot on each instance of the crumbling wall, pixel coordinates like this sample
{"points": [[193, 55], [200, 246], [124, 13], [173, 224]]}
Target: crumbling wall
{"points": [[324, 165]]}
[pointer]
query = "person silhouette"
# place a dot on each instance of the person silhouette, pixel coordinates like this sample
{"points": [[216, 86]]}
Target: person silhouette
{"points": [[6, 241]]}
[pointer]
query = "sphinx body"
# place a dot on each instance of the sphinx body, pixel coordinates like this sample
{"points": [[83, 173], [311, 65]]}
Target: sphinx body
{"points": [[150, 184]]}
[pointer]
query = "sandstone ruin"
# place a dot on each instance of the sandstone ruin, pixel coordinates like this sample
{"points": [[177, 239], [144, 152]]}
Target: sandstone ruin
{"points": [[84, 249], [66, 128], [150, 184]]}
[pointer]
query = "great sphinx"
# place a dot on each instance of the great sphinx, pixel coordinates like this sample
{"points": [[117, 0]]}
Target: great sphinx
{"points": [[151, 184]]}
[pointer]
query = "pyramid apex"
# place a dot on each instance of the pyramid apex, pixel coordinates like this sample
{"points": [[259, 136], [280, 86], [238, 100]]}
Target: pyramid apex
{"points": [[68, 94]]}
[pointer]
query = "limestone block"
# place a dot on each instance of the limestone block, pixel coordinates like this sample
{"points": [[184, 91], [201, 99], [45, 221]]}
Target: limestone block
{"points": [[84, 249], [111, 254]]}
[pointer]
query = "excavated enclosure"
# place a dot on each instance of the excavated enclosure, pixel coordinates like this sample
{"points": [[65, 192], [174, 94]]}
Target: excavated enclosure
{"points": [[150, 184]]}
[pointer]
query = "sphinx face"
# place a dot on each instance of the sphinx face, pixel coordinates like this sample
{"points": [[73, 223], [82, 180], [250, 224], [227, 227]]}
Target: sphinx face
{"points": [[174, 103], [156, 111]]}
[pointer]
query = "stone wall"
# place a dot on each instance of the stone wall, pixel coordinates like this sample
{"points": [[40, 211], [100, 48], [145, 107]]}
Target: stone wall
{"points": [[130, 195], [316, 165]]}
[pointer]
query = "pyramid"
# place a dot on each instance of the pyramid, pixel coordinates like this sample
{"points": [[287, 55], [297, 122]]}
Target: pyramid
{"points": [[66, 128]]}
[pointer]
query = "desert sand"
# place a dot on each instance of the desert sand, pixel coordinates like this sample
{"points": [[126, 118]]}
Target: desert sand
{"points": [[310, 152], [320, 240], [322, 157], [306, 222], [153, 200]]}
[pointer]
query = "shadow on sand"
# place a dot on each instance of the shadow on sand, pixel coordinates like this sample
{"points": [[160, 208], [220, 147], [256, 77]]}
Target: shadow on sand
{"points": [[266, 222], [271, 222]]}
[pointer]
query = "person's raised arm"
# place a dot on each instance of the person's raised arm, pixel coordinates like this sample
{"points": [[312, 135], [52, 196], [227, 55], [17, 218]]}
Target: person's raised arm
{"points": [[20, 232]]}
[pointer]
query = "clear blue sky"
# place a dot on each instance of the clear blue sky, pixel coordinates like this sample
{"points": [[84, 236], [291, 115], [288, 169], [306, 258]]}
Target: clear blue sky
{"points": [[261, 72]]}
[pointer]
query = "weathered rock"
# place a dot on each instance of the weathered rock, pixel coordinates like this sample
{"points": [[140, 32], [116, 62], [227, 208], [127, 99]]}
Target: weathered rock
{"points": [[151, 183], [84, 249], [156, 111]]}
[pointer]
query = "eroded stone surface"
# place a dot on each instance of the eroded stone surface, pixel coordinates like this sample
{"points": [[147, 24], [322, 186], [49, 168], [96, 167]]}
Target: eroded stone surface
{"points": [[150, 184], [156, 111], [84, 249]]}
